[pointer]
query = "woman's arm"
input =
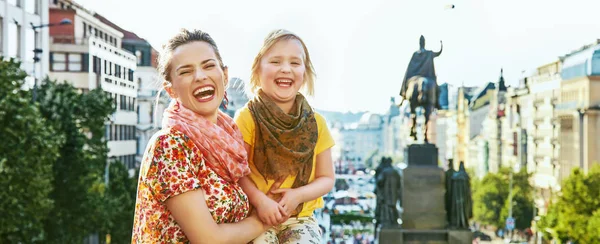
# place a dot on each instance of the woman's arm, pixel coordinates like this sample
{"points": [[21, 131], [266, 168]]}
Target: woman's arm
{"points": [[191, 213]]}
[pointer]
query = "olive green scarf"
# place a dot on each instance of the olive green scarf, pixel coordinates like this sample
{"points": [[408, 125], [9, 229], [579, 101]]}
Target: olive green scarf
{"points": [[284, 144]]}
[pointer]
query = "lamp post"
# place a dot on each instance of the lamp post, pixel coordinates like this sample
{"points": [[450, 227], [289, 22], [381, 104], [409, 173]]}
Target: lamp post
{"points": [[37, 51]]}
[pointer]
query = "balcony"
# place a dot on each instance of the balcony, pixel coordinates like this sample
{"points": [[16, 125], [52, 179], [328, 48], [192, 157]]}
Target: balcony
{"points": [[67, 39], [538, 139], [538, 102]]}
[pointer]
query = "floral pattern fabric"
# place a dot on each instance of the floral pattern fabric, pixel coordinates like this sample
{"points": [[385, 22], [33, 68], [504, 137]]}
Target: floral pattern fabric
{"points": [[173, 165], [303, 230]]}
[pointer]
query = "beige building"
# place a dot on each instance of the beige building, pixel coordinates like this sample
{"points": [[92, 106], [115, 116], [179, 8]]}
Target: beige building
{"points": [[578, 110], [462, 128], [530, 115], [482, 145]]}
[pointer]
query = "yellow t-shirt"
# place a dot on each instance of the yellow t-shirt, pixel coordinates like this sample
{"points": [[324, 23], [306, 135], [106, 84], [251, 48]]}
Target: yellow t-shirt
{"points": [[245, 122]]}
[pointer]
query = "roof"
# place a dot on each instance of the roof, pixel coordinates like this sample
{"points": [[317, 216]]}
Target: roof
{"points": [[480, 94]]}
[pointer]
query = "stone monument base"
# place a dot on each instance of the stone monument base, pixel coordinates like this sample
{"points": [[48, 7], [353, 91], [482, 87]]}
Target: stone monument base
{"points": [[402, 236], [423, 189]]}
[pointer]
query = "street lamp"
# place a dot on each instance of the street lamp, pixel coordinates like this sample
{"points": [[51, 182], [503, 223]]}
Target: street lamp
{"points": [[37, 51]]}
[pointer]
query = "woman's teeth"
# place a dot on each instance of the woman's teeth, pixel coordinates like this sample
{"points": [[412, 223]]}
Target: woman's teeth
{"points": [[204, 92]]}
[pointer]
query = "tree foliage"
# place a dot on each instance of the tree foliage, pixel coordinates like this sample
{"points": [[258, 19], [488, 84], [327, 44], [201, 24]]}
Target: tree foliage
{"points": [[27, 152], [52, 165], [575, 214], [491, 199], [121, 203], [78, 190]]}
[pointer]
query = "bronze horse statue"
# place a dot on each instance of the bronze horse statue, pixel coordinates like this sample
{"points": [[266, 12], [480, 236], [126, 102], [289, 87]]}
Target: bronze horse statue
{"points": [[419, 86], [421, 92]]}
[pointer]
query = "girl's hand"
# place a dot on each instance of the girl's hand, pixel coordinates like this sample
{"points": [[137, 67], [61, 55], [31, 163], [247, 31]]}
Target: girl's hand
{"points": [[270, 213], [290, 199]]}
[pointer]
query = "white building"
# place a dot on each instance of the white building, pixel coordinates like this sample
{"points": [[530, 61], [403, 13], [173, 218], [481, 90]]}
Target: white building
{"points": [[88, 55], [236, 95], [18, 38], [357, 142]]}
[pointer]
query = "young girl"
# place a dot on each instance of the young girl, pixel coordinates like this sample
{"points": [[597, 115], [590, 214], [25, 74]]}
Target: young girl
{"points": [[188, 186], [288, 143]]}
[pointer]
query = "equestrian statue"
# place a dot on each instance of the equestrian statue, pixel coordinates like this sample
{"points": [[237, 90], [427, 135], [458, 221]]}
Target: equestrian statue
{"points": [[420, 87]]}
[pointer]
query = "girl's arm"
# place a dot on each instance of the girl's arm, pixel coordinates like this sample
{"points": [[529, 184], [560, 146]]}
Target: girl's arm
{"points": [[191, 213], [323, 183], [268, 210]]}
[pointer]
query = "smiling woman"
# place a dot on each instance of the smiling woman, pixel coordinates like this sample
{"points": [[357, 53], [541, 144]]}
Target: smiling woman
{"points": [[188, 190]]}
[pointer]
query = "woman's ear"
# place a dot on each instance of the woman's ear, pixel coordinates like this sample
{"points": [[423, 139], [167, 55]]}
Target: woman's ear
{"points": [[168, 88], [226, 75]]}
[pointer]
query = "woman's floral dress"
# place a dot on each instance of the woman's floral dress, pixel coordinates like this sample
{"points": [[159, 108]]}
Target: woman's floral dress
{"points": [[173, 165]]}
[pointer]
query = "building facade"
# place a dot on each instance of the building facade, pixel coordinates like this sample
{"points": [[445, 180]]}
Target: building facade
{"points": [[18, 38], [88, 54], [578, 110]]}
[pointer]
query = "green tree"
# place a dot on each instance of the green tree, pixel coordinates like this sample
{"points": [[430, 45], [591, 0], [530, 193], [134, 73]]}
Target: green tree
{"points": [[489, 196], [491, 199], [121, 201], [27, 153], [522, 197], [80, 207], [576, 213]]}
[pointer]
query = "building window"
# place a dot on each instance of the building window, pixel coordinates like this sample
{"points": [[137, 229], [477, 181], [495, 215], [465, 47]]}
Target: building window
{"points": [[96, 64], [1, 33], [74, 63], [59, 61], [66, 61], [130, 74], [113, 132], [14, 43], [37, 5], [117, 70], [30, 6], [138, 54], [29, 44], [15, 2], [84, 29]]}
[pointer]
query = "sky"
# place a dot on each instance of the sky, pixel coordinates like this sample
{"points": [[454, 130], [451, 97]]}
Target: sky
{"points": [[360, 49]]}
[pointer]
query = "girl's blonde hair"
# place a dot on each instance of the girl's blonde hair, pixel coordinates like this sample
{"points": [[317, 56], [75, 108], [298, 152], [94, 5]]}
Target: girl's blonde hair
{"points": [[270, 40]]}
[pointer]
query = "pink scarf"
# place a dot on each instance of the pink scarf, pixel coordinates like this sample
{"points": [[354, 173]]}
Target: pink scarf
{"points": [[221, 144]]}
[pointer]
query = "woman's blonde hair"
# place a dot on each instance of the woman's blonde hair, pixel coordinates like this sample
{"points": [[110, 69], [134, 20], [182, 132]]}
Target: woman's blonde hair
{"points": [[270, 40]]}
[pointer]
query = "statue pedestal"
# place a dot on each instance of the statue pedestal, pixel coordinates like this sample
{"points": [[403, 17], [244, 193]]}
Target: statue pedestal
{"points": [[423, 189], [423, 198], [401, 236]]}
